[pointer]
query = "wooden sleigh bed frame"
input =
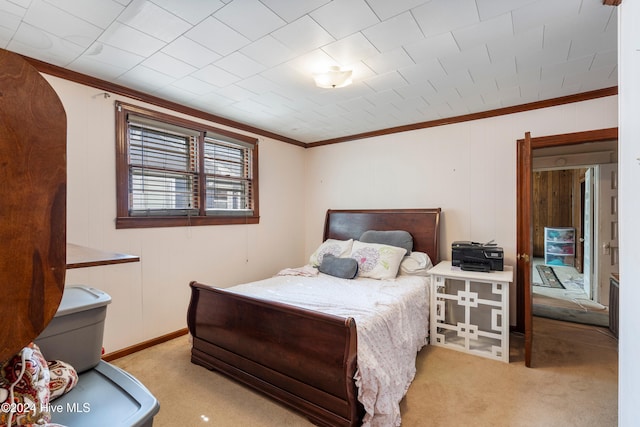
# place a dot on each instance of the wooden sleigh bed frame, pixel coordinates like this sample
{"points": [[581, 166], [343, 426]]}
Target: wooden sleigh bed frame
{"points": [[301, 358]]}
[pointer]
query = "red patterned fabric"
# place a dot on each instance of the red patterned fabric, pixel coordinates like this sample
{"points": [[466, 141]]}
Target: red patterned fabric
{"points": [[24, 389], [63, 378]]}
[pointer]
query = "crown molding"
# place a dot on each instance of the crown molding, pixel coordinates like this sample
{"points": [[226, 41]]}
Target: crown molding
{"points": [[112, 88], [585, 96]]}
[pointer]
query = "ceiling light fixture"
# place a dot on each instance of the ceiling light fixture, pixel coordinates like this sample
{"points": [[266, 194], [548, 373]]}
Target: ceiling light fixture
{"points": [[334, 77]]}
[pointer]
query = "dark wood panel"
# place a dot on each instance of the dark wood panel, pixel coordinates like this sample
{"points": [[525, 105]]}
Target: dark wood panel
{"points": [[552, 204], [33, 194]]}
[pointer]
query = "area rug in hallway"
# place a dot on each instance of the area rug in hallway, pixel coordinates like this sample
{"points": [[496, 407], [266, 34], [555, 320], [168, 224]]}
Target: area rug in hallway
{"points": [[566, 314], [548, 277]]}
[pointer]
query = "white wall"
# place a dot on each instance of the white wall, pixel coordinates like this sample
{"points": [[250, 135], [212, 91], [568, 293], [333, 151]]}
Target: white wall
{"points": [[629, 209], [467, 169], [150, 298]]}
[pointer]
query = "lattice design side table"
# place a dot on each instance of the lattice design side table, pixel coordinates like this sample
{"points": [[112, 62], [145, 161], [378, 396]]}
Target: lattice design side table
{"points": [[470, 310]]}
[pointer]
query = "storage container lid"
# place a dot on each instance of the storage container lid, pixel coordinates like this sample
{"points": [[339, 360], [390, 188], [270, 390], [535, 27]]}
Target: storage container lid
{"points": [[80, 298], [106, 396]]}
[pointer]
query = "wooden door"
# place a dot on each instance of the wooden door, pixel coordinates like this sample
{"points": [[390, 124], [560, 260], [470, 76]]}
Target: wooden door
{"points": [[525, 242], [524, 221]]}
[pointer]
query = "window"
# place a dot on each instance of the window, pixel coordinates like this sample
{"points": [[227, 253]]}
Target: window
{"points": [[173, 172]]}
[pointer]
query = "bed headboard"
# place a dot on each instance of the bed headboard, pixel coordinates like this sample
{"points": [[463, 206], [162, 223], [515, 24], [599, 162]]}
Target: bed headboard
{"points": [[422, 224]]}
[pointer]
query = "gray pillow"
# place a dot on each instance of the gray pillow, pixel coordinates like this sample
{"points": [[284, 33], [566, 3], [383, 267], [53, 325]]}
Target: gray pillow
{"points": [[345, 268], [399, 238]]}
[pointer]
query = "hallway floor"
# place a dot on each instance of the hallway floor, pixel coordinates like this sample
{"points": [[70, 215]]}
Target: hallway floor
{"points": [[572, 297]]}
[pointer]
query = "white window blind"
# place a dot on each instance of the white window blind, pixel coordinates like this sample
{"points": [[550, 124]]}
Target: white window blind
{"points": [[176, 171], [162, 171], [227, 168]]}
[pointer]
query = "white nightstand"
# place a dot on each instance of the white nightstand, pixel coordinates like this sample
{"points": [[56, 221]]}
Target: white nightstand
{"points": [[470, 310]]}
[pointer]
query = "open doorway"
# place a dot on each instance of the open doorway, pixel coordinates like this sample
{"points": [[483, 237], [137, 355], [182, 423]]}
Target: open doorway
{"points": [[524, 205], [570, 188]]}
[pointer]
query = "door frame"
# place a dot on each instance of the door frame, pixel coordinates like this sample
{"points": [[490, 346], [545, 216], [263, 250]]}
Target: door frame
{"points": [[524, 243], [523, 209]]}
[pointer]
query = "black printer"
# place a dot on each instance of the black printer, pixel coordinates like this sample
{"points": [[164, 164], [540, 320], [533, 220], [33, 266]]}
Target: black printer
{"points": [[474, 256]]}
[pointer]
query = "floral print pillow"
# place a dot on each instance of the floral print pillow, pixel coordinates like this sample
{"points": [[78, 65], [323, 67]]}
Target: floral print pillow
{"points": [[377, 261], [337, 248]]}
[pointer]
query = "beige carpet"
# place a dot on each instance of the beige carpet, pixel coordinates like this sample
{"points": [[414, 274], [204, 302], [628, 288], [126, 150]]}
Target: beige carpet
{"points": [[573, 382]]}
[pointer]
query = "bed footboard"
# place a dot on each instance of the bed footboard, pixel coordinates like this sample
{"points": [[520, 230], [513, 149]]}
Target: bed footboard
{"points": [[303, 359]]}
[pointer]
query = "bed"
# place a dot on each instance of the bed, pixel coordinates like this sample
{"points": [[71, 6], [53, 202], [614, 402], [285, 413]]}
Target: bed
{"points": [[303, 358]]}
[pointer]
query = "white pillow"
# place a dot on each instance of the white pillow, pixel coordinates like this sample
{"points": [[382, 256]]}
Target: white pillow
{"points": [[338, 248], [377, 261], [416, 264]]}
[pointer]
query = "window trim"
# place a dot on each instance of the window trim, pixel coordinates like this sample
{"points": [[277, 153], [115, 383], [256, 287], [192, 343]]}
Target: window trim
{"points": [[125, 220]]}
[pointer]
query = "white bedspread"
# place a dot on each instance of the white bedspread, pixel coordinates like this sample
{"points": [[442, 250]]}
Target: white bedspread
{"points": [[392, 322]]}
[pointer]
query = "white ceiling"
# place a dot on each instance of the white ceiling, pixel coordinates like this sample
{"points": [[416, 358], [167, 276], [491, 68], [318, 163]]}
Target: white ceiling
{"points": [[252, 61]]}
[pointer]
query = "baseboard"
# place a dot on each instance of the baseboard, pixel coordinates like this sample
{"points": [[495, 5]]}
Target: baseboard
{"points": [[143, 345]]}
